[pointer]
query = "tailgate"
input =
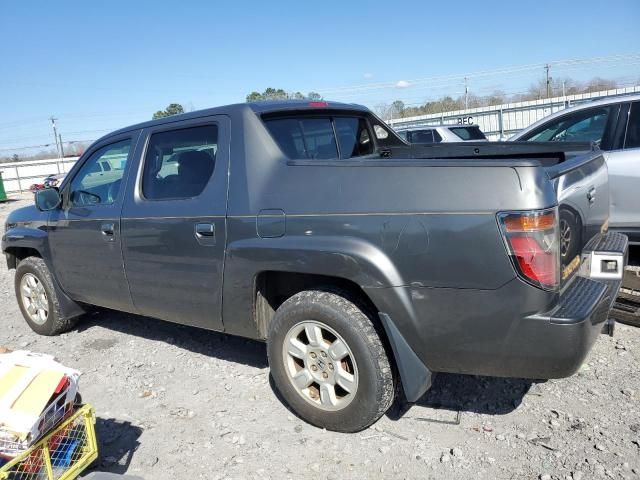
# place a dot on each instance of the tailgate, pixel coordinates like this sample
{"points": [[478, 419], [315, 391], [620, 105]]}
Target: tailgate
{"points": [[582, 188]]}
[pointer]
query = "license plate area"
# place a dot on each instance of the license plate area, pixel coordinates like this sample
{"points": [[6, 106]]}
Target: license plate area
{"points": [[604, 257], [604, 265]]}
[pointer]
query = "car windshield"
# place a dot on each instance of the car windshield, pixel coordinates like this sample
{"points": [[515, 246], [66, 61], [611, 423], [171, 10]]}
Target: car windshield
{"points": [[583, 126]]}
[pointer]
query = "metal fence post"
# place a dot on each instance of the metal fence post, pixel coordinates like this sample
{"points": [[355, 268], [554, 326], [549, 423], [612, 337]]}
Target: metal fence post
{"points": [[18, 177]]}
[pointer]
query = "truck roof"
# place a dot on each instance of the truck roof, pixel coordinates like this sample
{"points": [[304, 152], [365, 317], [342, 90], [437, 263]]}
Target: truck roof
{"points": [[269, 106]]}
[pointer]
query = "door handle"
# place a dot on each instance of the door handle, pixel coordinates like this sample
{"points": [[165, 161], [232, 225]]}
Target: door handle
{"points": [[205, 230], [205, 234], [107, 230]]}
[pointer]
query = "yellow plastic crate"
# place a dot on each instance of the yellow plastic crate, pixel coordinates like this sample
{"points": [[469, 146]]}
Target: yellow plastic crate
{"points": [[62, 454]]}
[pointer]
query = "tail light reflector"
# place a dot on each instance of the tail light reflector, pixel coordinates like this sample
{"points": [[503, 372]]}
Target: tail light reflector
{"points": [[532, 242]]}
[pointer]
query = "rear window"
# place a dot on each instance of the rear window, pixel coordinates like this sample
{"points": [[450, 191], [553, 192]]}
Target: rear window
{"points": [[468, 133], [321, 138]]}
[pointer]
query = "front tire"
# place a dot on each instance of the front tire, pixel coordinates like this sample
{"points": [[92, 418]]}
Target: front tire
{"points": [[37, 298], [328, 361]]}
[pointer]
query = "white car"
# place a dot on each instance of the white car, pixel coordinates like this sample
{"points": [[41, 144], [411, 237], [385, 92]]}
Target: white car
{"points": [[443, 133], [614, 124]]}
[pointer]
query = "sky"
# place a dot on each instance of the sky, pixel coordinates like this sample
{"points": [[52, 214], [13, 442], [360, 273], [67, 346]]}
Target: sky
{"points": [[99, 66]]}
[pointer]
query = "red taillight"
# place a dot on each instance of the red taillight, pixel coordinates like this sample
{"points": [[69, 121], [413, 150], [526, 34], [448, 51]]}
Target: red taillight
{"points": [[532, 242], [318, 104]]}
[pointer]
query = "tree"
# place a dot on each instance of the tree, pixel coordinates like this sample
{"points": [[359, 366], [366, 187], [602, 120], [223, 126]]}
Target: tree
{"points": [[172, 109], [383, 110], [597, 84], [397, 108], [498, 97], [281, 94], [15, 158]]}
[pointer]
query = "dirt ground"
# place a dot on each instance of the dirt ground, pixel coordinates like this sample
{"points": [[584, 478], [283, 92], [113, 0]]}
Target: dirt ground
{"points": [[176, 402]]}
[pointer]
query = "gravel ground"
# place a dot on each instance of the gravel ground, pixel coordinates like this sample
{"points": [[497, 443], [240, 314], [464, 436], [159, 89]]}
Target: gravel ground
{"points": [[175, 402]]}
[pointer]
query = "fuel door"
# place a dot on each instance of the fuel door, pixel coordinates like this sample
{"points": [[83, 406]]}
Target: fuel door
{"points": [[271, 223]]}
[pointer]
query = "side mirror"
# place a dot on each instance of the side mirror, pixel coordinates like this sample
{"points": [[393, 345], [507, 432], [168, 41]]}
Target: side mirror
{"points": [[47, 199]]}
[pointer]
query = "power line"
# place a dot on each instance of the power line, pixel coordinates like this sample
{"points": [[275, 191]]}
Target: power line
{"points": [[45, 145], [448, 83], [619, 58]]}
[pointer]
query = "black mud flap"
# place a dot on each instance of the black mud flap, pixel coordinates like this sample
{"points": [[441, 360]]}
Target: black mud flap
{"points": [[414, 375]]}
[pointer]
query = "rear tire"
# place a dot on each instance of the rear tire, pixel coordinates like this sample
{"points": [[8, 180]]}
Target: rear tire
{"points": [[328, 362], [570, 236], [37, 298]]}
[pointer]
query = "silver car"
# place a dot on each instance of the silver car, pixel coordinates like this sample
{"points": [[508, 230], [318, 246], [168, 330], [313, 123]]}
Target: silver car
{"points": [[614, 124], [443, 133]]}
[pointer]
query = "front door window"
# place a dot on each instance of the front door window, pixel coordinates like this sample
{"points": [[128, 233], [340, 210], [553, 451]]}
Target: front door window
{"points": [[583, 126], [99, 180]]}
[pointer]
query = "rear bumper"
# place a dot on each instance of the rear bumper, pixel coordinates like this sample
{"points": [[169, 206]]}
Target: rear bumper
{"points": [[555, 344], [514, 331]]}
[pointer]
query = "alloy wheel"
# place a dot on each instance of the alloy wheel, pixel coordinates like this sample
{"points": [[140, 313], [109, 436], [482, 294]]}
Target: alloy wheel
{"points": [[34, 298], [320, 365]]}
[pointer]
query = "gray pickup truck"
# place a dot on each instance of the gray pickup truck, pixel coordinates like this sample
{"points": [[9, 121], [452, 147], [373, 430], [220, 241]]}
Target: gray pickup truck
{"points": [[365, 263]]}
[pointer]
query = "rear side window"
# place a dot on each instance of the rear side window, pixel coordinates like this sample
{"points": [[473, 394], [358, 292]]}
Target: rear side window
{"points": [[632, 139], [421, 136], [468, 133], [353, 137], [321, 138], [179, 163]]}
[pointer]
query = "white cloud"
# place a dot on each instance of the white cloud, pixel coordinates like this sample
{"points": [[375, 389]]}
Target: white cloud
{"points": [[368, 75], [402, 84]]}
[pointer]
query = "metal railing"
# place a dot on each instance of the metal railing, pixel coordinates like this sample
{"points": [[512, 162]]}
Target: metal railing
{"points": [[499, 122], [19, 176]]}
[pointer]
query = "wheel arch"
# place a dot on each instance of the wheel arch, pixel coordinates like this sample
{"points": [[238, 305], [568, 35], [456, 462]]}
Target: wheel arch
{"points": [[349, 264], [16, 254], [21, 243], [273, 287]]}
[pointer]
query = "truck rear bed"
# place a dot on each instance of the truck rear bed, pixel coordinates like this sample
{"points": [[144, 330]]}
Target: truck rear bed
{"points": [[548, 153]]}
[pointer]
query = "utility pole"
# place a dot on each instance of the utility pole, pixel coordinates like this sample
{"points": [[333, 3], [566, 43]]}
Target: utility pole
{"points": [[466, 94], [546, 67], [55, 133], [61, 147]]}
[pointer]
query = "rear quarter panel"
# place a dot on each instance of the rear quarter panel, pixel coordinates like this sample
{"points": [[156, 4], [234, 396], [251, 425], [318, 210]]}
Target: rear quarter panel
{"points": [[418, 224]]}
